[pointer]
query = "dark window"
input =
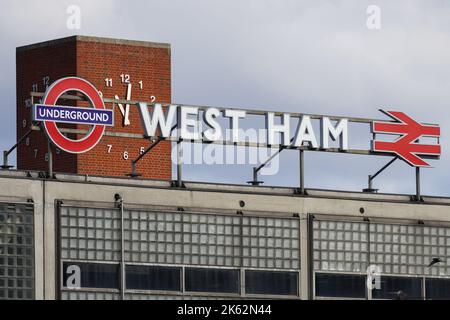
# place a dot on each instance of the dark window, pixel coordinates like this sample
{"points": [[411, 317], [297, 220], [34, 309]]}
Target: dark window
{"points": [[438, 289], [398, 288], [93, 275], [153, 278], [212, 280], [271, 282], [340, 285]]}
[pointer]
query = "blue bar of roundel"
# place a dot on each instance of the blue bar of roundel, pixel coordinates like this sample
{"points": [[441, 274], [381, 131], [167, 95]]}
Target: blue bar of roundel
{"points": [[76, 115]]}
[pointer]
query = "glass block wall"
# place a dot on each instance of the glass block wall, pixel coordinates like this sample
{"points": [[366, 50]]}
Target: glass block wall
{"points": [[403, 249], [180, 238], [172, 238], [16, 251], [271, 243], [340, 246], [90, 234], [89, 295]]}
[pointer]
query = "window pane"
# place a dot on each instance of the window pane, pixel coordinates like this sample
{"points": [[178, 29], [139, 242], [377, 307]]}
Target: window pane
{"points": [[268, 282], [438, 289], [212, 280], [399, 288], [340, 285], [93, 275], [153, 278]]}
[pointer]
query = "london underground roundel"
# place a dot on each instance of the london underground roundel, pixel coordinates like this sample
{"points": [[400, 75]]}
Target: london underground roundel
{"points": [[51, 114]]}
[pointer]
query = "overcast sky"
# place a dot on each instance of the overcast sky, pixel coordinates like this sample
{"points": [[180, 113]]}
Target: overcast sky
{"points": [[300, 56]]}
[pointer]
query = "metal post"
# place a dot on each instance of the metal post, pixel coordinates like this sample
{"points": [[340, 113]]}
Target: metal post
{"points": [[302, 172], [418, 197], [372, 177], [179, 151], [7, 152], [50, 161], [5, 160], [122, 254]]}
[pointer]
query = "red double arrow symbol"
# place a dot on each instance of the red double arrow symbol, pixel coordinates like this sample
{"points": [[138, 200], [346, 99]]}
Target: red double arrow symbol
{"points": [[406, 146]]}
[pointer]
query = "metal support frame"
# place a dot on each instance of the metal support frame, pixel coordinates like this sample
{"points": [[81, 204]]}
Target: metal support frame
{"points": [[255, 181], [178, 140], [50, 160], [119, 201], [418, 197], [6, 153], [302, 171], [370, 188], [179, 152], [134, 162]]}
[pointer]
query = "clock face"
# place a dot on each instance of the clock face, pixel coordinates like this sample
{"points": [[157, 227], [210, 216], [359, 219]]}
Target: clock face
{"points": [[126, 82], [125, 88]]}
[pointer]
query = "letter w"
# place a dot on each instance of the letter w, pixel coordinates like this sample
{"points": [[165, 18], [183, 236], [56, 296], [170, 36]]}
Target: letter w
{"points": [[151, 121]]}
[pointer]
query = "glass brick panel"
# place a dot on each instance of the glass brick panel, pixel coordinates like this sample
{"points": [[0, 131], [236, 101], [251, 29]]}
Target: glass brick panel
{"points": [[340, 246], [271, 242], [209, 239], [90, 234], [16, 251], [436, 244], [396, 248], [89, 295]]}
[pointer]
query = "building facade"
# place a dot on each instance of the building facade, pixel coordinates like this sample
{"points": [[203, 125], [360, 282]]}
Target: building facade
{"points": [[79, 237], [91, 232]]}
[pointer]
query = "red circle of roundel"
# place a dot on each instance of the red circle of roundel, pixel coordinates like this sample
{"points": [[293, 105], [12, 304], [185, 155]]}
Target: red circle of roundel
{"points": [[51, 97]]}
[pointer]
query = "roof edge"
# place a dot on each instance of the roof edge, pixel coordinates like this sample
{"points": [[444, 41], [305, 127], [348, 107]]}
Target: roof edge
{"points": [[75, 38]]}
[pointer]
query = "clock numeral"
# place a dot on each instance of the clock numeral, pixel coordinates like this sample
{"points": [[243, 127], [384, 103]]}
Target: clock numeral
{"points": [[109, 148], [58, 150], [125, 155], [35, 153], [27, 141], [152, 99], [100, 94], [28, 103], [46, 81], [125, 78], [46, 157], [34, 87], [141, 84], [109, 82], [142, 150], [24, 123]]}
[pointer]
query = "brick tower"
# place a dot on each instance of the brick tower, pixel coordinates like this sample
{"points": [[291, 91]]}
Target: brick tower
{"points": [[130, 70]]}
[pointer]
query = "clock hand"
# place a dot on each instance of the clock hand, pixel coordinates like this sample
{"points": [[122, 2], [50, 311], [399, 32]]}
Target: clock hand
{"points": [[120, 105], [122, 110], [125, 110], [127, 106]]}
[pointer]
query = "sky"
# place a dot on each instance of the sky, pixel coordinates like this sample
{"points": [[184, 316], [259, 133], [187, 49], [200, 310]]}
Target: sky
{"points": [[311, 56]]}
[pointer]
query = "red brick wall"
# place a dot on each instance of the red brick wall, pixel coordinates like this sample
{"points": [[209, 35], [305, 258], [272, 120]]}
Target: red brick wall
{"points": [[32, 66], [95, 61]]}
